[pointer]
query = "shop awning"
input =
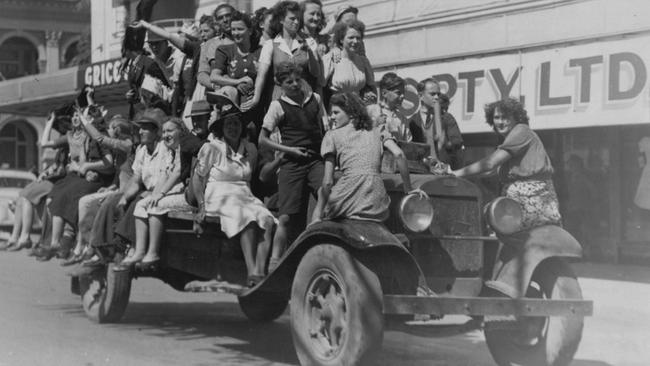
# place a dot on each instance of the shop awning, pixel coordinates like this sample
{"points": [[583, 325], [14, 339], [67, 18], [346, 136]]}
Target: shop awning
{"points": [[36, 95]]}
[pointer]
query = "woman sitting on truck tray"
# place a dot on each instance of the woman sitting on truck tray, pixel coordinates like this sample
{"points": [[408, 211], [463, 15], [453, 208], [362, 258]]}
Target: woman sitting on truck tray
{"points": [[221, 183], [521, 161], [162, 173], [356, 147]]}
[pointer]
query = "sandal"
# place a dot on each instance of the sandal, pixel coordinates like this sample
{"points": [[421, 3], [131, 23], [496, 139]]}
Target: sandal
{"points": [[253, 280]]}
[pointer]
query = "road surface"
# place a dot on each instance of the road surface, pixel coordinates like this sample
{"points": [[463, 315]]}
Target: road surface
{"points": [[42, 323]]}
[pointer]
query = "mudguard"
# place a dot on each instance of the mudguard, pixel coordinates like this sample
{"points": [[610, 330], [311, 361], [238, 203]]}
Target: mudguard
{"points": [[364, 238], [521, 253]]}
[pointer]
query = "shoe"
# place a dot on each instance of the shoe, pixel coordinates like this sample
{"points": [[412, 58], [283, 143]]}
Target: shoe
{"points": [[253, 280], [125, 265], [150, 266], [39, 251], [7, 246], [47, 254], [95, 261], [73, 259], [24, 245], [33, 251]]}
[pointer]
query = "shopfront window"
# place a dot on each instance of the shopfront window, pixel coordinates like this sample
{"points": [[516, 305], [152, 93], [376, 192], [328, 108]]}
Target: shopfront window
{"points": [[583, 185], [635, 192]]}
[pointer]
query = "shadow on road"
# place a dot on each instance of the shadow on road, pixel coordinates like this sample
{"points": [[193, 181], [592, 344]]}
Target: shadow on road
{"points": [[224, 322], [613, 272]]}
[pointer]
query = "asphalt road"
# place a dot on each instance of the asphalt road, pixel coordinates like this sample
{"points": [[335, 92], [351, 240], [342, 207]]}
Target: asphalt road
{"points": [[42, 323]]}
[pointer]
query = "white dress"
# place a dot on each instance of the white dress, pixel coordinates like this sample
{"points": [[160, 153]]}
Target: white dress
{"points": [[642, 197], [227, 193]]}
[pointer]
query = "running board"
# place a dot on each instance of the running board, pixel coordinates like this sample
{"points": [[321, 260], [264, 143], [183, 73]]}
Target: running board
{"points": [[409, 304]]}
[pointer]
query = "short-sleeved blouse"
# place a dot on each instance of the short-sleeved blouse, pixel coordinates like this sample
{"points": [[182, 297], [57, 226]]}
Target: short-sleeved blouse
{"points": [[529, 159], [359, 193], [347, 75], [154, 169], [233, 64]]}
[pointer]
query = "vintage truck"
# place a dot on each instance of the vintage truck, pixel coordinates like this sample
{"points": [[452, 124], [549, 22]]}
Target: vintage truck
{"points": [[346, 281]]}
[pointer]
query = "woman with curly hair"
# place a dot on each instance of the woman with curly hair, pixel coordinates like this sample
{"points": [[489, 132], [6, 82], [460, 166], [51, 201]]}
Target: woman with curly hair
{"points": [[521, 162], [313, 21], [345, 68], [356, 147], [288, 45]]}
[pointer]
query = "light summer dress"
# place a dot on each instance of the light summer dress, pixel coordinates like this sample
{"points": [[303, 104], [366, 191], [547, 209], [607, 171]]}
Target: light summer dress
{"points": [[227, 194]]}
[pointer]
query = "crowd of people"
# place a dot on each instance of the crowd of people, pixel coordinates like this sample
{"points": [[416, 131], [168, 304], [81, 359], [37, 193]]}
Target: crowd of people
{"points": [[243, 117]]}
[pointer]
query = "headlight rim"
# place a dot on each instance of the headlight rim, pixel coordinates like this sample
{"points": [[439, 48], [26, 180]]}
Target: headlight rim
{"points": [[408, 225]]}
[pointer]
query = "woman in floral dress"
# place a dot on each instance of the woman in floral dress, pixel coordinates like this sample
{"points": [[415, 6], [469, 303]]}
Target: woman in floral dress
{"points": [[521, 161]]}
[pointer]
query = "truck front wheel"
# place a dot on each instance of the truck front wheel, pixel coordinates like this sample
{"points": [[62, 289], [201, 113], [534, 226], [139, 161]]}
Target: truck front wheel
{"points": [[336, 309], [540, 341]]}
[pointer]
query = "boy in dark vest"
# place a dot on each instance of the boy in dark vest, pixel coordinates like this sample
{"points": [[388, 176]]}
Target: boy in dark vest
{"points": [[301, 119]]}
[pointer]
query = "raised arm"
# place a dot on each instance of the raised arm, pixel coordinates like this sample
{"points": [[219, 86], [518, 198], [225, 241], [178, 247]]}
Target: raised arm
{"points": [[486, 166], [174, 38]]}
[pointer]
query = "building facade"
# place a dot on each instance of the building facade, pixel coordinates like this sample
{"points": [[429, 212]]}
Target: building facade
{"points": [[37, 37]]}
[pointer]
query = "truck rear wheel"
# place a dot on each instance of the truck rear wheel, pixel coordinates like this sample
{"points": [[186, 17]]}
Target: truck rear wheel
{"points": [[105, 294], [540, 341], [336, 309]]}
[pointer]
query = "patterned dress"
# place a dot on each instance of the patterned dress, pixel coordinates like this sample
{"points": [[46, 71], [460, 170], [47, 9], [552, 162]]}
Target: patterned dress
{"points": [[527, 178], [360, 192]]}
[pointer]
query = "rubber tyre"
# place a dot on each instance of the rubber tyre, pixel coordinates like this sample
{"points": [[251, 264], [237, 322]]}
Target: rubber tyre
{"points": [[262, 311], [352, 314], [105, 294], [558, 338]]}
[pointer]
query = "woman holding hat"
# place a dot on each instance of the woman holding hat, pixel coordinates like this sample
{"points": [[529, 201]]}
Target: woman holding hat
{"points": [[222, 182]]}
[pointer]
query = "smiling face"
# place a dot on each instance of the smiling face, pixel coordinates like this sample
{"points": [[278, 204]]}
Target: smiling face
{"points": [[76, 120], [502, 125], [171, 134], [206, 32], [352, 40], [312, 16], [239, 31], [232, 129], [290, 23], [339, 117]]}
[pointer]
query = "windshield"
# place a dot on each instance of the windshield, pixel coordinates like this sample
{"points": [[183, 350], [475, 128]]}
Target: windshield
{"points": [[12, 182]]}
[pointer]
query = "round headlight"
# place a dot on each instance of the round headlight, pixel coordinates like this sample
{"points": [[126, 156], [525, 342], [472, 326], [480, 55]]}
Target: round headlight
{"points": [[416, 213], [504, 215]]}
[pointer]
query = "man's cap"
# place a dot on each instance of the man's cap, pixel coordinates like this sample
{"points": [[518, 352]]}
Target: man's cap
{"points": [[199, 108], [151, 116]]}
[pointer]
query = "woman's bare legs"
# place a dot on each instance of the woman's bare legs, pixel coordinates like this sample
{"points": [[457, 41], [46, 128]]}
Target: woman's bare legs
{"points": [[57, 231], [248, 243], [28, 220], [18, 221], [141, 239], [155, 237]]}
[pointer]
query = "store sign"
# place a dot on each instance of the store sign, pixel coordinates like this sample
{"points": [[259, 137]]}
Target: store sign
{"points": [[102, 74], [596, 84]]}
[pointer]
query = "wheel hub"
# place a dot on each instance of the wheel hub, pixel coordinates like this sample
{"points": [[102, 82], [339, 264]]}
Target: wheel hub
{"points": [[327, 312]]}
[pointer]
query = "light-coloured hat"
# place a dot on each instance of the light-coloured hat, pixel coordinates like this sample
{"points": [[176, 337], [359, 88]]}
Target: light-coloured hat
{"points": [[226, 99]]}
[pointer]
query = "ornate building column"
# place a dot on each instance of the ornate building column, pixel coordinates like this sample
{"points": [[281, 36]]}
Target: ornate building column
{"points": [[53, 59]]}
